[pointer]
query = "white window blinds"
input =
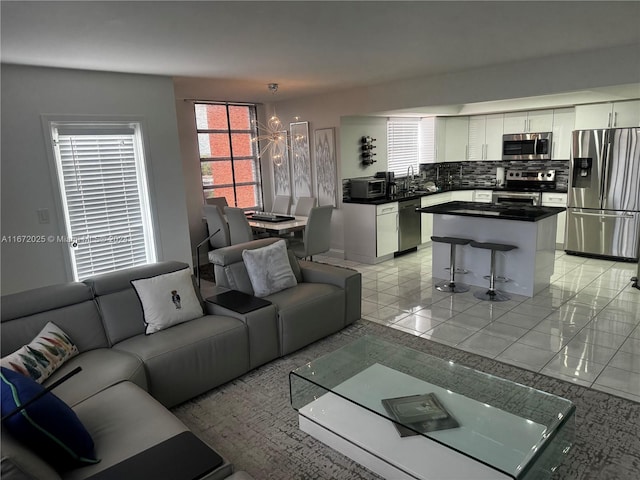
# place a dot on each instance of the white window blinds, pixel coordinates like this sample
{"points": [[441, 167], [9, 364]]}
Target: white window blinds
{"points": [[402, 146], [105, 198]]}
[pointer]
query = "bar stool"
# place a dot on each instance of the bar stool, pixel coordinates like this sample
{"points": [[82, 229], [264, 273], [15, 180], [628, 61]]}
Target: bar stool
{"points": [[451, 285], [492, 294]]}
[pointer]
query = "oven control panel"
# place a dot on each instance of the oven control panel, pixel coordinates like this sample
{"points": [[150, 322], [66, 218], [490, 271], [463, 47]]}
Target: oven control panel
{"points": [[529, 176]]}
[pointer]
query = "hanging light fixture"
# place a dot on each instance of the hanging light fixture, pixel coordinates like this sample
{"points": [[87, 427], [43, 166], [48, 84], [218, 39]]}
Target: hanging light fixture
{"points": [[273, 137]]}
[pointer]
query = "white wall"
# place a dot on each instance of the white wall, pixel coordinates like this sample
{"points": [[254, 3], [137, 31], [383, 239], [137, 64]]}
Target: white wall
{"points": [[352, 129], [30, 92]]}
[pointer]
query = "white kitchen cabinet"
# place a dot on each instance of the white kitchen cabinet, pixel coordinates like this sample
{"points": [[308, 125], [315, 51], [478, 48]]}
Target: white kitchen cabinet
{"points": [[563, 125], [552, 199], [426, 223], [482, 196], [462, 196], [608, 115], [369, 237], [528, 122], [485, 137], [386, 229], [452, 137]]}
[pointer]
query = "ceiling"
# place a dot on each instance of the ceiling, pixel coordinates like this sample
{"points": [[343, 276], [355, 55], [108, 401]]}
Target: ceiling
{"points": [[307, 47]]}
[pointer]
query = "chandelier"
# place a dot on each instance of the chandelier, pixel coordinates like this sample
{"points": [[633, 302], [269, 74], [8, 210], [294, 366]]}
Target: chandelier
{"points": [[272, 137]]}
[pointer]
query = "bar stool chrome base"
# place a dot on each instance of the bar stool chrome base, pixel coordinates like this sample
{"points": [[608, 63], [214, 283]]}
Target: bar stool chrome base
{"points": [[451, 286], [491, 295]]}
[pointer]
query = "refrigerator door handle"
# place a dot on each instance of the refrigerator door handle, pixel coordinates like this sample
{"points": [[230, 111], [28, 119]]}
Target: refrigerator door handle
{"points": [[605, 175], [604, 215], [602, 175]]}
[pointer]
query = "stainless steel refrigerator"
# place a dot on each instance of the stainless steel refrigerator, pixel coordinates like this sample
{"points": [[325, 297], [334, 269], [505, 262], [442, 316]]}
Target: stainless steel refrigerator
{"points": [[603, 214]]}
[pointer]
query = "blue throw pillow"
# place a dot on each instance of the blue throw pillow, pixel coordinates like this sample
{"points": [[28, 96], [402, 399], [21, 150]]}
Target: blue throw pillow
{"points": [[48, 426]]}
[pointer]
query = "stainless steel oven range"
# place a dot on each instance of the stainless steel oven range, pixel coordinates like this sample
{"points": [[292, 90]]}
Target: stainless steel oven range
{"points": [[524, 187]]}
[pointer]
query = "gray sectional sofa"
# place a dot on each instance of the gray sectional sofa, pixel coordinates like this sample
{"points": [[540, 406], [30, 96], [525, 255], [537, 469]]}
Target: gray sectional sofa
{"points": [[129, 379]]}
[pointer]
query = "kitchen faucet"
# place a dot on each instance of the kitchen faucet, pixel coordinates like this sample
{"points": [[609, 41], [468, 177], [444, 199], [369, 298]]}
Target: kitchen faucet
{"points": [[409, 180]]}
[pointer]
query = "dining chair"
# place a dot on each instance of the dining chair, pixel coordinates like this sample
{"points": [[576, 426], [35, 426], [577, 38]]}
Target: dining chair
{"points": [[304, 206], [215, 221], [316, 238], [239, 229], [219, 202], [281, 204]]}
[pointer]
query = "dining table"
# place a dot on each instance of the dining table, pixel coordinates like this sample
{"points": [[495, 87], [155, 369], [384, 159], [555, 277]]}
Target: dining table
{"points": [[277, 224]]}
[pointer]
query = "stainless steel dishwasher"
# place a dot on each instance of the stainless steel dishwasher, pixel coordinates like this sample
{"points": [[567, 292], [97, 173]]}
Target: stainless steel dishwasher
{"points": [[409, 232]]}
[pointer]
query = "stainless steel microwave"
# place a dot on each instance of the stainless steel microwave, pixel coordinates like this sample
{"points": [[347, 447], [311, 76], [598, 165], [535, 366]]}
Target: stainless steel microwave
{"points": [[368, 187], [526, 146]]}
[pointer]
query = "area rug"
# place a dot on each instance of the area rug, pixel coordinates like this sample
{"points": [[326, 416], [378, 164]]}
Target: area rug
{"points": [[250, 420]]}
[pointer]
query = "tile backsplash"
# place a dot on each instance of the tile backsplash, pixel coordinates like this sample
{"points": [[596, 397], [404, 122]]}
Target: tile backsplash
{"points": [[480, 174], [483, 174]]}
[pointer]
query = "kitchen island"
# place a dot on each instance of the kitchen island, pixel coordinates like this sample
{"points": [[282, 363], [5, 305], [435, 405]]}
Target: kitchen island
{"points": [[531, 229]]}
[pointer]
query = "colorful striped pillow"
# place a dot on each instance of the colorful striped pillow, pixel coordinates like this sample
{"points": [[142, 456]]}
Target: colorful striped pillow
{"points": [[43, 356]]}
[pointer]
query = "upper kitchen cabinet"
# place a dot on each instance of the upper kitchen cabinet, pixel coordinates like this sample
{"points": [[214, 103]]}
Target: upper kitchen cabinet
{"points": [[608, 115], [452, 136], [485, 137], [563, 125], [528, 122]]}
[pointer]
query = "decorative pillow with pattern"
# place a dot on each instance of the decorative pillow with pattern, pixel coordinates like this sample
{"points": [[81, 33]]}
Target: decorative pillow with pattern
{"points": [[44, 355], [48, 426], [168, 299], [269, 269]]}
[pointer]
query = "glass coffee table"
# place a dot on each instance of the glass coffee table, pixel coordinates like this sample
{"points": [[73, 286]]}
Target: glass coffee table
{"points": [[408, 415]]}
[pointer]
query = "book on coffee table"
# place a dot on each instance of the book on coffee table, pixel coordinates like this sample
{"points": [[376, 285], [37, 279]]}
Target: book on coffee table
{"points": [[422, 413]]}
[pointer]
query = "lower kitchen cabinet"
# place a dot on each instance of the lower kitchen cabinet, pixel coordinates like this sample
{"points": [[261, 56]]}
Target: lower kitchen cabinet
{"points": [[550, 199], [386, 229], [370, 232]]}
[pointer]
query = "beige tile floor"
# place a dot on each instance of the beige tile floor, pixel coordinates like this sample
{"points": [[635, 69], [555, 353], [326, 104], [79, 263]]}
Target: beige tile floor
{"points": [[584, 328]]}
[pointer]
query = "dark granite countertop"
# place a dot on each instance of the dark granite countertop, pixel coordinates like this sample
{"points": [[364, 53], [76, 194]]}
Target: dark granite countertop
{"points": [[421, 193], [488, 210]]}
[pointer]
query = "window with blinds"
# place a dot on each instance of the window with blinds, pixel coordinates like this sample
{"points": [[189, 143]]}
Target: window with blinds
{"points": [[102, 177], [409, 143], [402, 146]]}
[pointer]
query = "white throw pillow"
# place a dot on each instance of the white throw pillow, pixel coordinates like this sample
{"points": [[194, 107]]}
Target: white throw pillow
{"points": [[167, 300], [269, 269]]}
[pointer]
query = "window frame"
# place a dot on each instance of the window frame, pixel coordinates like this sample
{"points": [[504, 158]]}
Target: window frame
{"points": [[255, 157], [61, 229]]}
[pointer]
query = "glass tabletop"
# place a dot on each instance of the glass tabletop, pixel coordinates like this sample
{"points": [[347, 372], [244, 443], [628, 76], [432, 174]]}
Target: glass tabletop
{"points": [[499, 423]]}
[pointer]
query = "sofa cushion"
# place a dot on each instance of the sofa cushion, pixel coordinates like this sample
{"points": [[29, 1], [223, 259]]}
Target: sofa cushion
{"points": [[101, 369], [119, 305], [167, 299], [70, 306], [308, 312], [48, 426], [43, 355], [190, 358], [138, 423], [269, 269], [230, 270]]}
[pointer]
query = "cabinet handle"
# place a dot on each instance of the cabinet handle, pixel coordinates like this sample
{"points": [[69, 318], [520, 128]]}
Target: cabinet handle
{"points": [[609, 120], [466, 152], [553, 150], [615, 119], [397, 223]]}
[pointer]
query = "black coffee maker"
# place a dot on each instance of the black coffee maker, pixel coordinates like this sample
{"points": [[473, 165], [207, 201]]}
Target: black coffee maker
{"points": [[390, 179]]}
